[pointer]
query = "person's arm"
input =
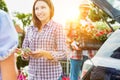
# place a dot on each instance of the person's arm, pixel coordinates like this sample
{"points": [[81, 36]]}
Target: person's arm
{"points": [[8, 36], [8, 43], [61, 46]]}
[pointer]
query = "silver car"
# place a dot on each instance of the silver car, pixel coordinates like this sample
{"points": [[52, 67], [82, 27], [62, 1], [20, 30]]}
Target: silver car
{"points": [[105, 65]]}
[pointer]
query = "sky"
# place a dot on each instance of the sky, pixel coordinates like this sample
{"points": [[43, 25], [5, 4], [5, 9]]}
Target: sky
{"points": [[64, 9]]}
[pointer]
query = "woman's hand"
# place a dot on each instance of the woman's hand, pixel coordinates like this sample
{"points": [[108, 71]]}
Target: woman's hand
{"points": [[48, 55], [42, 53], [26, 52], [37, 54]]}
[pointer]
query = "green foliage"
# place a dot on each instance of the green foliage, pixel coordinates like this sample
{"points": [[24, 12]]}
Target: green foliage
{"points": [[24, 18], [101, 25], [116, 27], [21, 63], [96, 14], [3, 5], [102, 31]]}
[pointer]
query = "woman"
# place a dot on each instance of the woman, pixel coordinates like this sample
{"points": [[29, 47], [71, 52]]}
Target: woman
{"points": [[8, 43], [46, 41]]}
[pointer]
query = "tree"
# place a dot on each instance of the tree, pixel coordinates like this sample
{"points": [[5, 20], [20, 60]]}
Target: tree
{"points": [[25, 19], [3, 5]]}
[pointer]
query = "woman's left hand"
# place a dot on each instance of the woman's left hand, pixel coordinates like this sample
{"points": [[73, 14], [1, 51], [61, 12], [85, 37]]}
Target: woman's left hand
{"points": [[36, 54], [42, 53]]}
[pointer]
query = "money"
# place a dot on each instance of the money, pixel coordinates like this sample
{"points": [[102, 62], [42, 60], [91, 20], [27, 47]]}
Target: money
{"points": [[26, 50]]}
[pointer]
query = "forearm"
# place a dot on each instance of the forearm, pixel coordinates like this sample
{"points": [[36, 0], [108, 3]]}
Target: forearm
{"points": [[59, 55], [9, 66]]}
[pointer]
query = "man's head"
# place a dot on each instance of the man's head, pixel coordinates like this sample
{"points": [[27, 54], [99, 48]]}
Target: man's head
{"points": [[84, 9]]}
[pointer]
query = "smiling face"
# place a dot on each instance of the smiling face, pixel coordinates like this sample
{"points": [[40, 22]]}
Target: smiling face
{"points": [[42, 11]]}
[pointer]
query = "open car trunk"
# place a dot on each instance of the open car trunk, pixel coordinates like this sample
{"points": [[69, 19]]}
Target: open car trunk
{"points": [[108, 8]]}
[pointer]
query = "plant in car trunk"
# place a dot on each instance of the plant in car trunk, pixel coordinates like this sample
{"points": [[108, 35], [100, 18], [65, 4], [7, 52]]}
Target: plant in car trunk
{"points": [[96, 14], [88, 35], [83, 36], [102, 31], [101, 21]]}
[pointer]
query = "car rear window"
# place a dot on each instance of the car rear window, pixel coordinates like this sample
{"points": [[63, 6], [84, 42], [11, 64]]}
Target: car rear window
{"points": [[116, 53]]}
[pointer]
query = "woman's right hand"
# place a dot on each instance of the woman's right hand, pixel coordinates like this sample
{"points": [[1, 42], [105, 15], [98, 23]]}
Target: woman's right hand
{"points": [[26, 52], [25, 55]]}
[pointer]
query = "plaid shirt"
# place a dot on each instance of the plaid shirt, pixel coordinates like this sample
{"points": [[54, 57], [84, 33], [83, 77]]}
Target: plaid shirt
{"points": [[50, 38]]}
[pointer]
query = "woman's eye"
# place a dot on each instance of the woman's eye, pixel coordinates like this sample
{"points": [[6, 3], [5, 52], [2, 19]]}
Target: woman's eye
{"points": [[42, 7], [36, 8]]}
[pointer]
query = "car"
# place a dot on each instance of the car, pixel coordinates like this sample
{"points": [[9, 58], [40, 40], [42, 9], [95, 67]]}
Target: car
{"points": [[105, 65]]}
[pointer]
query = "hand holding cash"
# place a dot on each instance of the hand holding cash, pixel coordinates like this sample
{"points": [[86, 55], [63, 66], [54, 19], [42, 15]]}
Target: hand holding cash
{"points": [[42, 53]]}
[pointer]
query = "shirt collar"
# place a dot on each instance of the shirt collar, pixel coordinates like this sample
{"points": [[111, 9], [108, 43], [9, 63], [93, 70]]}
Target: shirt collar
{"points": [[49, 24]]}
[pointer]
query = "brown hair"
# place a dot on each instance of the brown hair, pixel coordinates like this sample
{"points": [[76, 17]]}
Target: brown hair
{"points": [[36, 21]]}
